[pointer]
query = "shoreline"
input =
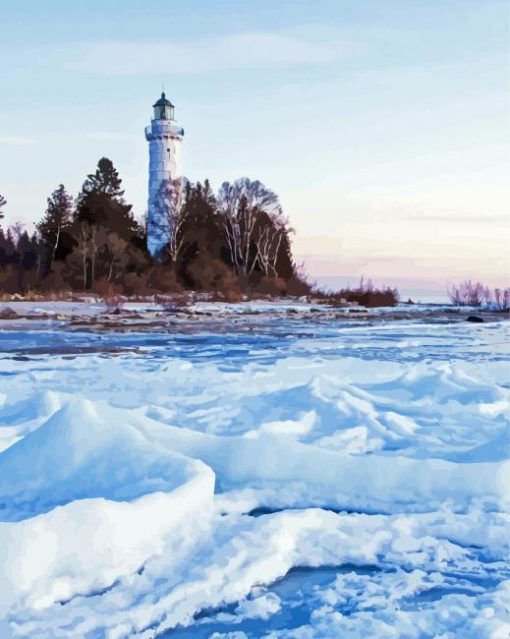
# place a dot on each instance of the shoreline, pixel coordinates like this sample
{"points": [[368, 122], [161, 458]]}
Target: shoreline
{"points": [[151, 317]]}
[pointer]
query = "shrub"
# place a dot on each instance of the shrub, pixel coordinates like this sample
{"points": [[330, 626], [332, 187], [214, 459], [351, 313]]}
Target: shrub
{"points": [[467, 293], [365, 294], [270, 286], [55, 281], [110, 295], [9, 279], [136, 284], [502, 299], [210, 274], [164, 280], [297, 286], [470, 293]]}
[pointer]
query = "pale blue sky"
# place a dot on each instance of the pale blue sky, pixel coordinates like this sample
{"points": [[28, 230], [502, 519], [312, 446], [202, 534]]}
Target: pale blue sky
{"points": [[383, 125]]}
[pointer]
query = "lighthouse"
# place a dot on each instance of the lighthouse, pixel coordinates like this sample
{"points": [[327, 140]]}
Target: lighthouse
{"points": [[164, 136]]}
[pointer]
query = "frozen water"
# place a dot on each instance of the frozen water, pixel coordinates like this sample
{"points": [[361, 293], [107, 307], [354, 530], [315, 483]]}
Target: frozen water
{"points": [[276, 479]]}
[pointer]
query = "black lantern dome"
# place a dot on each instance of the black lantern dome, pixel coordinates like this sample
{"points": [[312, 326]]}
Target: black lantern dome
{"points": [[163, 109]]}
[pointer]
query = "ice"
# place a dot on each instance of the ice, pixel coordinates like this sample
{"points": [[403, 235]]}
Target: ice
{"points": [[412, 605], [269, 480], [241, 552], [79, 482]]}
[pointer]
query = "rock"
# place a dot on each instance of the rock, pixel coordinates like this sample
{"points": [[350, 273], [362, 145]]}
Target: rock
{"points": [[8, 313], [475, 318]]}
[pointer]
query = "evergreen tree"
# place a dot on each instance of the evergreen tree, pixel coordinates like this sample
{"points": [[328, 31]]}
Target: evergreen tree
{"points": [[56, 221], [7, 247], [105, 181], [100, 202], [101, 211], [3, 202], [27, 249], [202, 231], [98, 209]]}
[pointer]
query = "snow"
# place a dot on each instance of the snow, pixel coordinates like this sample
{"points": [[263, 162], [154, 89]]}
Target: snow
{"points": [[79, 482], [303, 480]]}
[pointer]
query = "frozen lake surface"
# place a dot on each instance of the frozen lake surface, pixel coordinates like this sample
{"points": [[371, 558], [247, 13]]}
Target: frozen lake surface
{"points": [[263, 479]]}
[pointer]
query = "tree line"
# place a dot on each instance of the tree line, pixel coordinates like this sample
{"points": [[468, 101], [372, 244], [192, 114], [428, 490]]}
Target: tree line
{"points": [[233, 241]]}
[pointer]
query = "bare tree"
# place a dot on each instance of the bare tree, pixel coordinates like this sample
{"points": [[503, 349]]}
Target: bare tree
{"points": [[505, 303], [113, 250], [501, 299], [3, 202], [470, 293], [17, 229], [243, 205], [269, 242], [168, 224], [467, 293], [83, 249], [93, 249], [87, 248]]}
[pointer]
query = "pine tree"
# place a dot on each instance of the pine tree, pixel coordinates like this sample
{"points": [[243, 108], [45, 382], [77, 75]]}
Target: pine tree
{"points": [[100, 202], [105, 181], [201, 231], [101, 210], [6, 248], [57, 219]]}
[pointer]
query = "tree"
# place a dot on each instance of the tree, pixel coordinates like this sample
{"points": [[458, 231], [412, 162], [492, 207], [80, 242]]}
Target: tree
{"points": [[254, 225], [105, 181], [7, 248], [114, 254], [103, 222], [100, 202], [57, 219], [166, 226], [3, 202], [17, 229], [97, 209], [204, 238], [272, 237], [468, 293], [80, 257]]}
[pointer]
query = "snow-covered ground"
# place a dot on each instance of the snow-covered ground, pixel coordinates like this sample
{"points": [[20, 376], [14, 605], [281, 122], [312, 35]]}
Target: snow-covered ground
{"points": [[278, 480], [277, 306]]}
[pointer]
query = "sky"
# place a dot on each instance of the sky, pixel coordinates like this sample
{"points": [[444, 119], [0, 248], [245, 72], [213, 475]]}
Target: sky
{"points": [[382, 125]]}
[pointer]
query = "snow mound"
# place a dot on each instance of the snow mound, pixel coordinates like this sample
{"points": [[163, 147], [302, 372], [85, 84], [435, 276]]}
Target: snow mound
{"points": [[26, 410], [78, 454], [21, 417], [97, 500]]}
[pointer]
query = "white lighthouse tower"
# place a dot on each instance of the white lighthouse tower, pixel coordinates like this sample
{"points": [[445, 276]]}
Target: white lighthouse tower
{"points": [[164, 137]]}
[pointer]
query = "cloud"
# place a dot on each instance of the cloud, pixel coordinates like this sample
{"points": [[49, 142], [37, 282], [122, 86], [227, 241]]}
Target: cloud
{"points": [[17, 140], [256, 50]]}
